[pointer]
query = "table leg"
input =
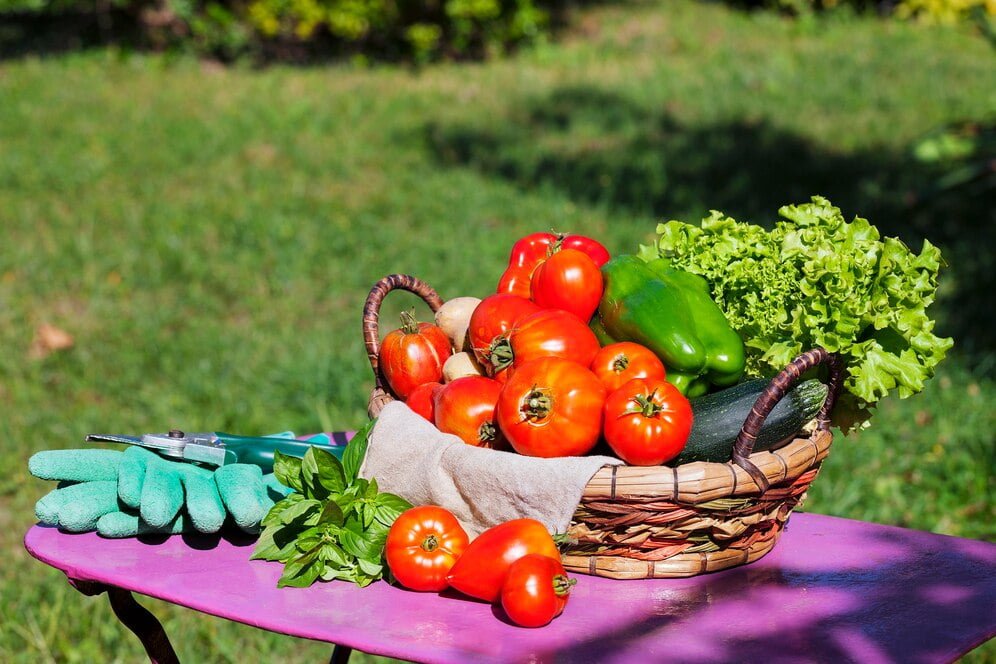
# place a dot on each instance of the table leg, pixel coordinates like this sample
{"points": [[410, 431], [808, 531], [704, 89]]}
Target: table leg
{"points": [[135, 617], [340, 654]]}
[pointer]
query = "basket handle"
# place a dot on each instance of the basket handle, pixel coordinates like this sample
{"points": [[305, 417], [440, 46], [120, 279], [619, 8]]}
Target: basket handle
{"points": [[371, 313], [778, 388]]}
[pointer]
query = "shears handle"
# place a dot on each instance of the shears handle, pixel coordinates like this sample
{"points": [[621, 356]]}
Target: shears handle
{"points": [[259, 451]]}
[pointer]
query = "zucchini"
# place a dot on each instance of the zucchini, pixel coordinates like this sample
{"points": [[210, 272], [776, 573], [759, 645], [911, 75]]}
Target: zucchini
{"points": [[718, 417]]}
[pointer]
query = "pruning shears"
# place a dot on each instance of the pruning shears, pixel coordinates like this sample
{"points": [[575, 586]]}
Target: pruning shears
{"points": [[219, 449]]}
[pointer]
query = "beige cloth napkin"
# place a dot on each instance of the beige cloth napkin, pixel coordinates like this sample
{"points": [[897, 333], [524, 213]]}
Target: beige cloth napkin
{"points": [[481, 487]]}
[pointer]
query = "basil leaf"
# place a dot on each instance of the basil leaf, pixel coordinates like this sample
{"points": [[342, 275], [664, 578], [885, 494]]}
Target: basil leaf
{"points": [[352, 457], [309, 539], [359, 487], [372, 569], [266, 548], [392, 502], [298, 510], [346, 503], [330, 471], [371, 491], [273, 516], [331, 513], [355, 541], [300, 572], [287, 469], [333, 554], [332, 573], [313, 488]]}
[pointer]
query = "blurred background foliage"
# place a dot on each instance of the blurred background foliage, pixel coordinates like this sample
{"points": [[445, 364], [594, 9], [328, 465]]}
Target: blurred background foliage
{"points": [[414, 30]]}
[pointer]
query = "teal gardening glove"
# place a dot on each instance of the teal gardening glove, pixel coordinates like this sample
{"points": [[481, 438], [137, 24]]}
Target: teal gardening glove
{"points": [[123, 494]]}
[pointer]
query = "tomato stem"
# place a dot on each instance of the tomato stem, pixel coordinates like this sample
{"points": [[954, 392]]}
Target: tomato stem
{"points": [[488, 432], [646, 404], [408, 322], [537, 403], [557, 245], [620, 363], [430, 543], [562, 585], [500, 353]]}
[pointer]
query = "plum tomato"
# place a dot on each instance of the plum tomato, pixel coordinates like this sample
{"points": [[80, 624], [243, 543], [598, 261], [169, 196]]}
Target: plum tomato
{"points": [[481, 570]]}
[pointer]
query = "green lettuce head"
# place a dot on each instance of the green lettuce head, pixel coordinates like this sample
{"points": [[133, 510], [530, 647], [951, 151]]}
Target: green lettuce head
{"points": [[818, 280]]}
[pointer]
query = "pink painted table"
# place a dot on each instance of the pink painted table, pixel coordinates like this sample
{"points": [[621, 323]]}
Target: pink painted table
{"points": [[832, 590]]}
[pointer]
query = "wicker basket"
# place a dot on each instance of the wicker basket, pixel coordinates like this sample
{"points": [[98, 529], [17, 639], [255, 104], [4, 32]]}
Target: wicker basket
{"points": [[638, 522]]}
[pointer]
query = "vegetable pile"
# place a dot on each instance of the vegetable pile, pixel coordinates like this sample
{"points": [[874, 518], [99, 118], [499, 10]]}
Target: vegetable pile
{"points": [[660, 355], [515, 564], [818, 280]]}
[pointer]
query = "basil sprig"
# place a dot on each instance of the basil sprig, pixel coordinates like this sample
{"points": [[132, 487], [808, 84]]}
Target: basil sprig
{"points": [[335, 523]]}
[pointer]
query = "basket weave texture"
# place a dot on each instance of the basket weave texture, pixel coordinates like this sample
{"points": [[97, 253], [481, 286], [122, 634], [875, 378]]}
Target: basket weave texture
{"points": [[637, 522]]}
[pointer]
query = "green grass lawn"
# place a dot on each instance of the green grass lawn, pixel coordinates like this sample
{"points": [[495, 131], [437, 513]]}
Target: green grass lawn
{"points": [[208, 236]]}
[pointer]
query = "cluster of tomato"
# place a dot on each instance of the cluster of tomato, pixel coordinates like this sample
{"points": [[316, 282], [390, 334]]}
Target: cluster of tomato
{"points": [[516, 563], [547, 388]]}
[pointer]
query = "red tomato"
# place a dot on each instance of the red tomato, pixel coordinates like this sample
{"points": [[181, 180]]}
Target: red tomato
{"points": [[530, 251], [465, 407], [421, 400], [552, 333], [621, 362], [568, 280], [593, 248], [647, 421], [551, 407], [490, 324], [516, 281], [482, 568], [413, 355], [422, 547], [536, 590]]}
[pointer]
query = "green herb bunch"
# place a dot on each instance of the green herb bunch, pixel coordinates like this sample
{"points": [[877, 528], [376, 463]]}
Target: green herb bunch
{"points": [[334, 525], [813, 280]]}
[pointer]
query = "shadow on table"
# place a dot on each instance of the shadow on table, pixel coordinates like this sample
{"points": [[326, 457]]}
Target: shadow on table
{"points": [[601, 148], [839, 611]]}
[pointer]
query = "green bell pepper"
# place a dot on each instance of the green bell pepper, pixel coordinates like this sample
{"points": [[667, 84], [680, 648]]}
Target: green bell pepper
{"points": [[672, 313]]}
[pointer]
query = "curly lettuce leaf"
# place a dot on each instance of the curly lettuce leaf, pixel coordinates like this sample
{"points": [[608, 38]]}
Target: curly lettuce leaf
{"points": [[816, 279]]}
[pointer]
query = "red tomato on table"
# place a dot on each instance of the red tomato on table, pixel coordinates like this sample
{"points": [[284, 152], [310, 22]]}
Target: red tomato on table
{"points": [[647, 422], [551, 407], [422, 546], [536, 590], [481, 570]]}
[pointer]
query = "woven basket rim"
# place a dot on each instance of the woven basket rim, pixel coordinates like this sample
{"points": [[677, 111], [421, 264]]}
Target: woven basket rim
{"points": [[644, 483]]}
